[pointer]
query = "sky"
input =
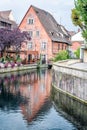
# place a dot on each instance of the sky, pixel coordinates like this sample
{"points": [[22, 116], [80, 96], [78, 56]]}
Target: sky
{"points": [[60, 9]]}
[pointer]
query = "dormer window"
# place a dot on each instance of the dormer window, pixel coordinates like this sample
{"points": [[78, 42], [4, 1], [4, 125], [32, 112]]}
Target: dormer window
{"points": [[30, 21], [60, 34], [52, 33], [64, 31]]}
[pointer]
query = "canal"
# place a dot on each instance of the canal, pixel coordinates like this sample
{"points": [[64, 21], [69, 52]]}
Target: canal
{"points": [[29, 102]]}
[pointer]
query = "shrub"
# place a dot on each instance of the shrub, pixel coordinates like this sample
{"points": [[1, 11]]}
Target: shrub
{"points": [[2, 59], [77, 53], [5, 65], [8, 58], [18, 59], [62, 55], [12, 64]]}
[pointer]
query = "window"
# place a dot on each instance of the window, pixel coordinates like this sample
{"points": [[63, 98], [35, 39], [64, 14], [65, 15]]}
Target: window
{"points": [[37, 33], [31, 33], [30, 45], [30, 21], [43, 46], [4, 24]]}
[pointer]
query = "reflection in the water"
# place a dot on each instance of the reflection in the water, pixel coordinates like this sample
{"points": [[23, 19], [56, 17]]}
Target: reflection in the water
{"points": [[27, 91], [70, 108], [25, 102]]}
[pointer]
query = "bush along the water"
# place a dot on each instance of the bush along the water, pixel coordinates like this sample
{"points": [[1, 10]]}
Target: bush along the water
{"points": [[62, 55]]}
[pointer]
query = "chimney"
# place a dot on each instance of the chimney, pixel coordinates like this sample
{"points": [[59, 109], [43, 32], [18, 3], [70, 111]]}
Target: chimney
{"points": [[52, 33]]}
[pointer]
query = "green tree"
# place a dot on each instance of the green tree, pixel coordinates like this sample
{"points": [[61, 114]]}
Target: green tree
{"points": [[79, 16]]}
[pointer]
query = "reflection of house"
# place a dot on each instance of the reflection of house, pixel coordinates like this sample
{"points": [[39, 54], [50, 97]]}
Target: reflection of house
{"points": [[31, 88], [47, 36], [7, 20], [36, 92], [76, 41]]}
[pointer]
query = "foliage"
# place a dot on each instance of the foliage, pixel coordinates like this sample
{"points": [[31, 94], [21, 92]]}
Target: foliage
{"points": [[77, 53], [2, 59], [6, 59], [18, 59], [62, 55], [10, 60], [76, 18], [12, 38], [79, 16]]}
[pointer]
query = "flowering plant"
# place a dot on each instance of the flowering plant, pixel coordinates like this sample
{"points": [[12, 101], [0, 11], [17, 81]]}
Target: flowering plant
{"points": [[12, 64], [18, 63], [6, 65]]}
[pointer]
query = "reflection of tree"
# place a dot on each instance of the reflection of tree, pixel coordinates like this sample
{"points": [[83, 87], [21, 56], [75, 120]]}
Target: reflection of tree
{"points": [[9, 100], [19, 79], [10, 96]]}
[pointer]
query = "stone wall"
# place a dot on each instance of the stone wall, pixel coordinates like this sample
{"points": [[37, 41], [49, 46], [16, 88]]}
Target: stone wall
{"points": [[70, 80], [63, 67]]}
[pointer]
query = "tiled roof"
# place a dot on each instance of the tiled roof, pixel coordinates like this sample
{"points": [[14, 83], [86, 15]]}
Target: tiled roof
{"points": [[5, 14], [4, 17], [56, 31]]}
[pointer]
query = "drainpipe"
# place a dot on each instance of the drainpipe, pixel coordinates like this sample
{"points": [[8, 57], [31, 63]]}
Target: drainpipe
{"points": [[82, 53]]}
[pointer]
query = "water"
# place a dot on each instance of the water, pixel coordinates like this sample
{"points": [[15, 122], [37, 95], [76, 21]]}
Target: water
{"points": [[70, 97], [27, 102]]}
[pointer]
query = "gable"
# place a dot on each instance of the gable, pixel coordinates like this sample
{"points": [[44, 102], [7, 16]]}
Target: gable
{"points": [[77, 37], [55, 31], [35, 26]]}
